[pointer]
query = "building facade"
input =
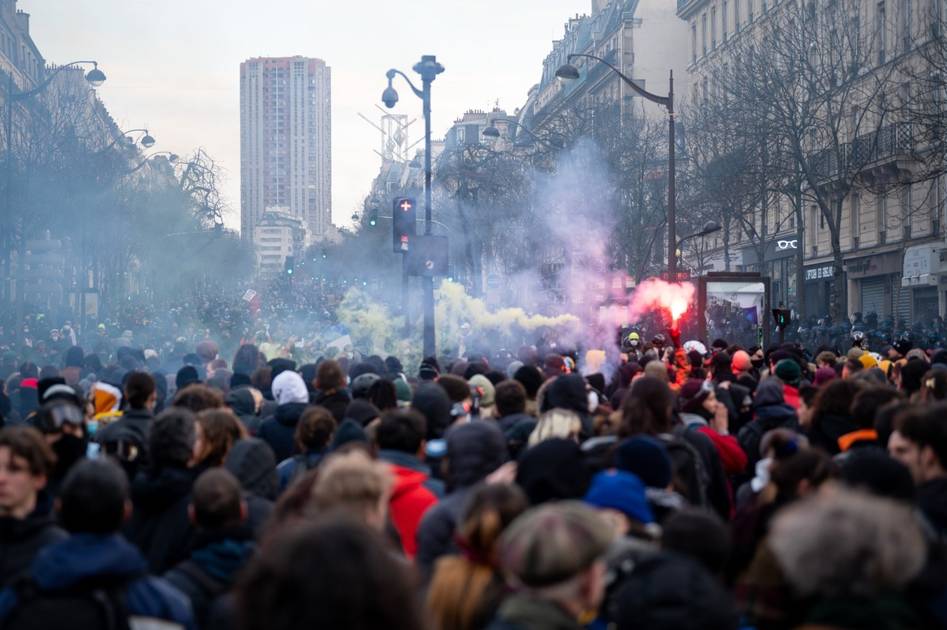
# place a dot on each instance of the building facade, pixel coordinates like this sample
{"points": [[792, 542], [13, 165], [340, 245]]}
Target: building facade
{"points": [[286, 142], [277, 236], [890, 231]]}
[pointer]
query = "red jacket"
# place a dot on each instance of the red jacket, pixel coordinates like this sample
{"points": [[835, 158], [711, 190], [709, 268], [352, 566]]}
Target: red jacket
{"points": [[791, 396], [409, 501], [731, 453]]}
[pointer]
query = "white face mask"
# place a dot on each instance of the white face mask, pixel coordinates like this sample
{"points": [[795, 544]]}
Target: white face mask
{"points": [[593, 401], [761, 479]]}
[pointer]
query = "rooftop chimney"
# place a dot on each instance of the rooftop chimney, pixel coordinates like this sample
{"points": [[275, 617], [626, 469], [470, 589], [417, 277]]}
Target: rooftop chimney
{"points": [[23, 21]]}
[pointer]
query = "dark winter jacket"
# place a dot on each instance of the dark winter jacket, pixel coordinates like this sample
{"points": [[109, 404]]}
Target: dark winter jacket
{"points": [[932, 499], [22, 539], [279, 430], [474, 450], [83, 562], [251, 461], [336, 403], [212, 568], [159, 525], [508, 422], [771, 412], [522, 611], [827, 428], [294, 467], [241, 402]]}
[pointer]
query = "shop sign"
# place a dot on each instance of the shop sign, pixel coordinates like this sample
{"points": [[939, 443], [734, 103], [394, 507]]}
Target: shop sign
{"points": [[819, 273]]}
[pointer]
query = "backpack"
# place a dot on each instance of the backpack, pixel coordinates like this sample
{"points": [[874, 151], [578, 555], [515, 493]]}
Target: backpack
{"points": [[689, 474], [94, 605], [128, 451]]}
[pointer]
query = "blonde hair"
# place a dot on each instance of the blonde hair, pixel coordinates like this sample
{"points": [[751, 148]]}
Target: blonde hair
{"points": [[556, 423], [353, 483]]}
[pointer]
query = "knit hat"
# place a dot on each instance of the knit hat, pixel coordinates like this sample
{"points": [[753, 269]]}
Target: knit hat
{"points": [[348, 431], [693, 393], [74, 357], [622, 491], [106, 398], [552, 470], [289, 387], [361, 411], [551, 544], [647, 458], [867, 360], [855, 353], [823, 375], [252, 462], [362, 383], [741, 362], [185, 376], [487, 390], [402, 390], [789, 372]]}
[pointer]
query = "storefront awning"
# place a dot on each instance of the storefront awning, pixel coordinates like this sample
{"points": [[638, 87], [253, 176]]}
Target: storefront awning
{"points": [[922, 265]]}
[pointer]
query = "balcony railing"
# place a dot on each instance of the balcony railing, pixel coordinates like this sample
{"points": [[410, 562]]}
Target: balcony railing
{"points": [[852, 157]]}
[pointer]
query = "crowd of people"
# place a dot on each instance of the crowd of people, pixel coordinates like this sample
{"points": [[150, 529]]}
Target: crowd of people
{"points": [[694, 487]]}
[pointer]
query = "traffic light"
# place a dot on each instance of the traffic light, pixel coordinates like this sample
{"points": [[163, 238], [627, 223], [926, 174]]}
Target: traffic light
{"points": [[289, 265], [373, 217], [404, 214], [782, 317]]}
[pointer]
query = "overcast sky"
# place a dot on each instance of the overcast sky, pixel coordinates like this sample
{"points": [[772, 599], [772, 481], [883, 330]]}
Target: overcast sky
{"points": [[173, 65]]}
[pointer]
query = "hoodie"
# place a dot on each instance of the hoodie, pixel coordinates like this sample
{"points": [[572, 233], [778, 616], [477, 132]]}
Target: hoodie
{"points": [[474, 450], [159, 525], [770, 412], [85, 558], [412, 495], [569, 392], [251, 461], [279, 431], [241, 401]]}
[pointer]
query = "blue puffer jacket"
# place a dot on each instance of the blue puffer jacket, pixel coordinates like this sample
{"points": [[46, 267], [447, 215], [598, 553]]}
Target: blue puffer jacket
{"points": [[84, 558]]}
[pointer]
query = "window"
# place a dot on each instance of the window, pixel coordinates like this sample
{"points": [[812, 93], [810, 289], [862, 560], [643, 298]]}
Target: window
{"points": [[736, 15], [856, 216], [723, 20], [694, 41], [703, 33], [749, 11], [880, 19], [881, 215], [713, 27], [905, 19], [460, 135]]}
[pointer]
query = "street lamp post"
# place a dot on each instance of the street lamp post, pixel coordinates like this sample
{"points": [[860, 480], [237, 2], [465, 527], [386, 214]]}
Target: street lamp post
{"points": [[570, 72], [95, 77], [428, 68], [493, 132], [710, 227]]}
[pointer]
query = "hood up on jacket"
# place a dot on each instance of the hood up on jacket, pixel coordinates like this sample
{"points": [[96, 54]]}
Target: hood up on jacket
{"points": [[474, 450], [252, 462]]}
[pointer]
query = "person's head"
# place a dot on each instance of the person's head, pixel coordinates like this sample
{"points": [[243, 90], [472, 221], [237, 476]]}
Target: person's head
{"points": [[458, 390], [556, 552], [848, 545], [198, 397], [94, 498], [510, 398], [801, 474], [697, 397], [288, 388], [171, 439], [919, 441], [910, 375], [834, 399], [934, 386], [314, 430], [354, 484], [646, 457], [700, 534], [26, 461], [216, 431], [401, 430], [383, 394], [329, 376], [530, 378], [460, 595], [619, 497], [868, 400], [553, 470], [556, 423], [647, 408], [474, 450], [334, 573], [246, 360], [140, 391], [789, 372], [217, 501]]}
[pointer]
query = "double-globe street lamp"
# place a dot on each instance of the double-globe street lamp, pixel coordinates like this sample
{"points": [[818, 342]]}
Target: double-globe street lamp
{"points": [[428, 68], [570, 72], [95, 78]]}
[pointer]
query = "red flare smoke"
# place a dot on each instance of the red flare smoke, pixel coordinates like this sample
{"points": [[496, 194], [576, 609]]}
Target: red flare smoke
{"points": [[655, 293]]}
